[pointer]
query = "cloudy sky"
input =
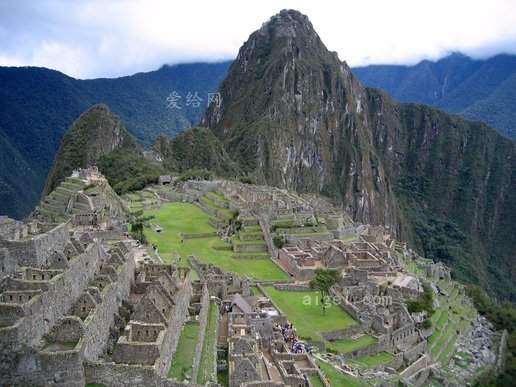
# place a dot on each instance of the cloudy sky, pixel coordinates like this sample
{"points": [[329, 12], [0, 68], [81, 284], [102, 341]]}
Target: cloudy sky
{"points": [[108, 38]]}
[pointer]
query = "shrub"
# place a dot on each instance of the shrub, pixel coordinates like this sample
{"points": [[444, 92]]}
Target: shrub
{"points": [[279, 242], [246, 180]]}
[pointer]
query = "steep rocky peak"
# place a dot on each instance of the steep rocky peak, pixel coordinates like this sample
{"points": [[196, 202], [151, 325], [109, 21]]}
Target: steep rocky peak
{"points": [[288, 106], [288, 23], [94, 134]]}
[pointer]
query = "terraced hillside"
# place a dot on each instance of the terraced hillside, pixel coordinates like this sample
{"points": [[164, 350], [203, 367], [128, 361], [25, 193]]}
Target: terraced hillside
{"points": [[67, 199]]}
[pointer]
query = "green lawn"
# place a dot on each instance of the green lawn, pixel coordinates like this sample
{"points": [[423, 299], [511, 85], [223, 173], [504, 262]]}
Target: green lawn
{"points": [[207, 363], [176, 218], [305, 312], [316, 382], [351, 345], [223, 378], [336, 378], [374, 360], [183, 358]]}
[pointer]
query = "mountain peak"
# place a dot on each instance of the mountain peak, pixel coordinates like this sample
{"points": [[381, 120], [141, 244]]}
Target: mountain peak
{"points": [[287, 23], [95, 133]]}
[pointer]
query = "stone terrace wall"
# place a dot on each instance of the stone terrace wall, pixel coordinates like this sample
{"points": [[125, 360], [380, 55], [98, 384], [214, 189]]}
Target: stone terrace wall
{"points": [[418, 365], [345, 333], [293, 287], [415, 352]]}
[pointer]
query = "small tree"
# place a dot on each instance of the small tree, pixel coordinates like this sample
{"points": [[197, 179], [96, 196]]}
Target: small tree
{"points": [[136, 220], [323, 281], [279, 242]]}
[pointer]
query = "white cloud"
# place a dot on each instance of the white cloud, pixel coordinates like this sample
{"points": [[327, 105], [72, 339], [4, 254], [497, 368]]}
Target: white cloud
{"points": [[111, 38]]}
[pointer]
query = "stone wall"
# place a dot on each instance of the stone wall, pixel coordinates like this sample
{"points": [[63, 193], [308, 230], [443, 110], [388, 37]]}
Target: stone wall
{"points": [[38, 250], [124, 375], [265, 224], [106, 235], [419, 364], [293, 287], [17, 365], [43, 310], [345, 333], [370, 350], [61, 368], [304, 273], [502, 349], [294, 239], [175, 196], [249, 248], [347, 306], [415, 352], [102, 317]]}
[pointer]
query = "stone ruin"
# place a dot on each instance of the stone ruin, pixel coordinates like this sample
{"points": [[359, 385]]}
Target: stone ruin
{"points": [[77, 308]]}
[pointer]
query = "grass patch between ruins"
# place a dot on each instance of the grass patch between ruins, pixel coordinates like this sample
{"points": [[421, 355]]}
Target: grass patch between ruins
{"points": [[316, 381], [305, 312], [335, 378], [345, 346], [183, 358], [207, 362], [176, 218]]}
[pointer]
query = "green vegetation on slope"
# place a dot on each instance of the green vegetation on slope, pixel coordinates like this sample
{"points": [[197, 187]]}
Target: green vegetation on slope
{"points": [[128, 170], [195, 148], [476, 89], [96, 133], [453, 182], [37, 105]]}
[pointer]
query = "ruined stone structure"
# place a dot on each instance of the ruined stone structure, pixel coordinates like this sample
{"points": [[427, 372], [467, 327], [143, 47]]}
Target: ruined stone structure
{"points": [[77, 307]]}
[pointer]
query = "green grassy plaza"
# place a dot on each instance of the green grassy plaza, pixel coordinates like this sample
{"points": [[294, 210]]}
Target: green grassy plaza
{"points": [[176, 218], [305, 312]]}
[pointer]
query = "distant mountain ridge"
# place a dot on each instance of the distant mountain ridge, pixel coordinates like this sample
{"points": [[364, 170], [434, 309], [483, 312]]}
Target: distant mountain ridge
{"points": [[38, 105], [482, 90]]}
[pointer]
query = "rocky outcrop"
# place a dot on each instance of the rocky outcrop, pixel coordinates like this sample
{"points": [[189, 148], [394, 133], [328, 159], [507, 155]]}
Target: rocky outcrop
{"points": [[293, 115]]}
